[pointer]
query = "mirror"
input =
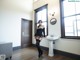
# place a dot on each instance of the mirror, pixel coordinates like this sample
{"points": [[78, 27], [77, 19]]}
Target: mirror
{"points": [[53, 21]]}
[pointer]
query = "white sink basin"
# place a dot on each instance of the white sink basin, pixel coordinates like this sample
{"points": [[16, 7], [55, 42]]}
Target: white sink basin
{"points": [[52, 38]]}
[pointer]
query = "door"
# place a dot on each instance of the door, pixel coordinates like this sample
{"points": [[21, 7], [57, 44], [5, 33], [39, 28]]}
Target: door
{"points": [[26, 33]]}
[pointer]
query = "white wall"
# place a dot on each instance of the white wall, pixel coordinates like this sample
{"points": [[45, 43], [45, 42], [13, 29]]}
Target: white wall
{"points": [[68, 45], [11, 12]]}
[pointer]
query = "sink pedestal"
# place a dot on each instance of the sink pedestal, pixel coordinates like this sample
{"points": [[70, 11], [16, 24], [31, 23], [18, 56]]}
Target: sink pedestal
{"points": [[51, 39], [51, 46]]}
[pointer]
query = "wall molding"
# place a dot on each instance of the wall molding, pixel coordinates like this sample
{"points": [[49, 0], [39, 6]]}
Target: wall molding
{"points": [[67, 54], [16, 48]]}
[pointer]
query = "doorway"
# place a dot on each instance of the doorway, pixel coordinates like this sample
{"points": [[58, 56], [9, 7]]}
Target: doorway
{"points": [[26, 33]]}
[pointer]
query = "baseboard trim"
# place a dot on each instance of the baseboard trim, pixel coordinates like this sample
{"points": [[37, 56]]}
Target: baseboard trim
{"points": [[16, 48], [67, 54]]}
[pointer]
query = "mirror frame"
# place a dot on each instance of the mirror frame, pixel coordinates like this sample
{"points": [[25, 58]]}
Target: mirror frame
{"points": [[53, 21]]}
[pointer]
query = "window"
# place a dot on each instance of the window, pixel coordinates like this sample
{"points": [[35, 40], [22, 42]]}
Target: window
{"points": [[42, 14], [70, 19]]}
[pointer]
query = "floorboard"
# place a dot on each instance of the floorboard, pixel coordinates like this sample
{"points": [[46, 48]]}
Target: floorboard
{"points": [[30, 53]]}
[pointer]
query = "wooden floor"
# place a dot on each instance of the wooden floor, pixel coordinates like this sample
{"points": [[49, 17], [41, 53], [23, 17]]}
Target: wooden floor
{"points": [[31, 53]]}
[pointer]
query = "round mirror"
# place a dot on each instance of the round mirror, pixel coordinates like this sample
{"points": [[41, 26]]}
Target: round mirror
{"points": [[53, 21]]}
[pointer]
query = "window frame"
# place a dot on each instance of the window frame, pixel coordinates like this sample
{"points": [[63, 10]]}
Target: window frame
{"points": [[39, 9], [62, 23]]}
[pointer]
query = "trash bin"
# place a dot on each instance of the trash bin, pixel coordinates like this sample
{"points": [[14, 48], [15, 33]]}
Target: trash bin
{"points": [[2, 56]]}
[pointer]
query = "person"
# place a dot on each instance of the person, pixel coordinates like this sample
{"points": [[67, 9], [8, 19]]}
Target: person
{"points": [[40, 33]]}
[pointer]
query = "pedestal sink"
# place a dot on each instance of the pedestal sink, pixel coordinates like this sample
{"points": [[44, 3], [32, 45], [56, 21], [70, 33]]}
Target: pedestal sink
{"points": [[51, 39]]}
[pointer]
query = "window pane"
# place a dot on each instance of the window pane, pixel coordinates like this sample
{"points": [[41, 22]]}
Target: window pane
{"points": [[43, 15], [69, 34], [79, 33], [77, 7], [70, 26], [78, 24], [69, 21], [45, 25], [75, 27], [39, 17], [69, 8], [78, 17], [69, 29]]}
